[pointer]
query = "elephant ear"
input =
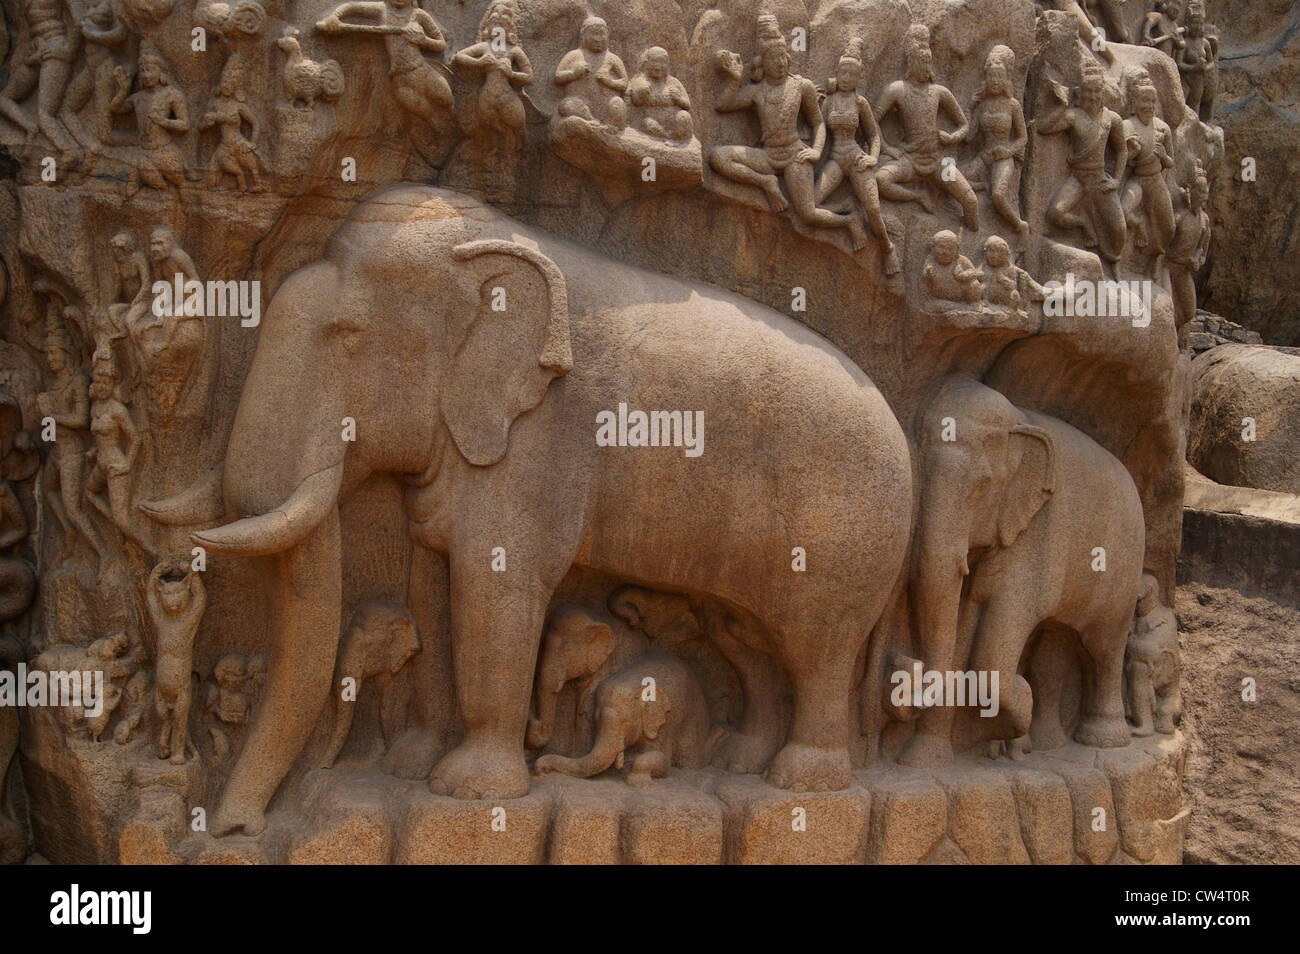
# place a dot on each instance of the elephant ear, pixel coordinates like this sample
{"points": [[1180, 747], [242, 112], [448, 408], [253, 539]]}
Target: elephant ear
{"points": [[600, 645], [504, 352], [654, 713], [1032, 483]]}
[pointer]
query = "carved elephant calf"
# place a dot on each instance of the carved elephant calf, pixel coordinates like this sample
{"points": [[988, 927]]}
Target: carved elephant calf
{"points": [[1024, 520], [379, 640], [474, 355], [654, 708]]}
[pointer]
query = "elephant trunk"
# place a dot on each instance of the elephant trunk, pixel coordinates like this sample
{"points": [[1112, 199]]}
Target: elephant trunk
{"points": [[305, 591], [542, 726], [941, 566], [605, 750], [343, 712]]}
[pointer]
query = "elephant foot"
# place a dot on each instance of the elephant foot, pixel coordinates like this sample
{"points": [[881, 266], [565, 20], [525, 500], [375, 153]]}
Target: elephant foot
{"points": [[926, 751], [476, 770], [805, 768], [746, 754], [1103, 733], [412, 756], [232, 818]]}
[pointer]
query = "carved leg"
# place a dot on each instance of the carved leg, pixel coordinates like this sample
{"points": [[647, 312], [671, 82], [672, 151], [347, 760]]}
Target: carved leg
{"points": [[496, 625], [1103, 722], [748, 751]]}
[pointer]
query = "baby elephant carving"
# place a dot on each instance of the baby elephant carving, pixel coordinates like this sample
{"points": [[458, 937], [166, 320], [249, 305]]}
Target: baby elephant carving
{"points": [[1151, 665], [654, 708], [379, 640]]}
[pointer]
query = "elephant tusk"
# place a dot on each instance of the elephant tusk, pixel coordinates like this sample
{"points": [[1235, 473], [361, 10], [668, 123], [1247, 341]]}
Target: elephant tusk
{"points": [[281, 528]]}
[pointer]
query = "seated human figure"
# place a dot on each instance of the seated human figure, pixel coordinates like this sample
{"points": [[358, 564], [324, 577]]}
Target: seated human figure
{"points": [[592, 78], [949, 275], [1007, 284], [661, 107]]}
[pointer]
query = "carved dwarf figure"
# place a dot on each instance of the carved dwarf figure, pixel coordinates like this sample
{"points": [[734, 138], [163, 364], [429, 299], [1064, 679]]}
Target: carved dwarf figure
{"points": [[919, 100], [1198, 62], [176, 599], [660, 105], [1151, 665], [950, 276], [305, 80], [1095, 133], [160, 115], [1148, 209], [780, 98], [409, 32], [998, 128], [494, 116], [1190, 244], [1006, 284], [592, 78], [235, 155], [1160, 28], [847, 113]]}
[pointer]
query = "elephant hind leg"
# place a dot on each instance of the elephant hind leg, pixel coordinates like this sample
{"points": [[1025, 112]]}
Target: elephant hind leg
{"points": [[1103, 723], [820, 660]]}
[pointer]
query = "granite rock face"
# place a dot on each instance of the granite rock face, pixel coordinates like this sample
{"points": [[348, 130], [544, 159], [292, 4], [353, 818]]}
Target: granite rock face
{"points": [[637, 431]]}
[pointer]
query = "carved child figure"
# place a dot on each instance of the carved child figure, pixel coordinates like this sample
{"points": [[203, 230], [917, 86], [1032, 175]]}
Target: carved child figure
{"points": [[1152, 666], [1007, 284], [592, 78], [660, 104], [950, 276], [176, 600]]}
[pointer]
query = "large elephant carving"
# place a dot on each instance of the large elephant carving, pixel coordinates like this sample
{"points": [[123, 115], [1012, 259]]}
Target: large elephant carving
{"points": [[474, 354], [1015, 506]]}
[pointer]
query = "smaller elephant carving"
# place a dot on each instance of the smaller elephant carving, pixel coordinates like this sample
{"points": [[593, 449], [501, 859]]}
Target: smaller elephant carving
{"points": [[1151, 665], [654, 708], [379, 640], [580, 647]]}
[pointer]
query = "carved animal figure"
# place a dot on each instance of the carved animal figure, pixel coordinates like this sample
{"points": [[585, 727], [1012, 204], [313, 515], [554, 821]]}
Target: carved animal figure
{"points": [[305, 80], [1012, 511], [490, 417], [379, 640], [654, 708]]}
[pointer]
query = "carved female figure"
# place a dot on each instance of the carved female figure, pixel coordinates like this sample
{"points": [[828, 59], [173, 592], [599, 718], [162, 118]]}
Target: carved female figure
{"points": [[494, 117], [1198, 63], [117, 442], [998, 126], [847, 113], [234, 154]]}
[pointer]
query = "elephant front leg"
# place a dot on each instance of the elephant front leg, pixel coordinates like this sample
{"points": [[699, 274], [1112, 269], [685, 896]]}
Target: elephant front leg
{"points": [[496, 625]]}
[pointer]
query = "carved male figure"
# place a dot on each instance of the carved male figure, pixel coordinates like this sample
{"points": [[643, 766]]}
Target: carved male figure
{"points": [[780, 98], [176, 599], [1151, 665], [1190, 244], [919, 100], [592, 78], [1148, 208], [1095, 133], [160, 115], [1161, 30], [44, 69], [105, 35], [1007, 284], [1198, 63]]}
